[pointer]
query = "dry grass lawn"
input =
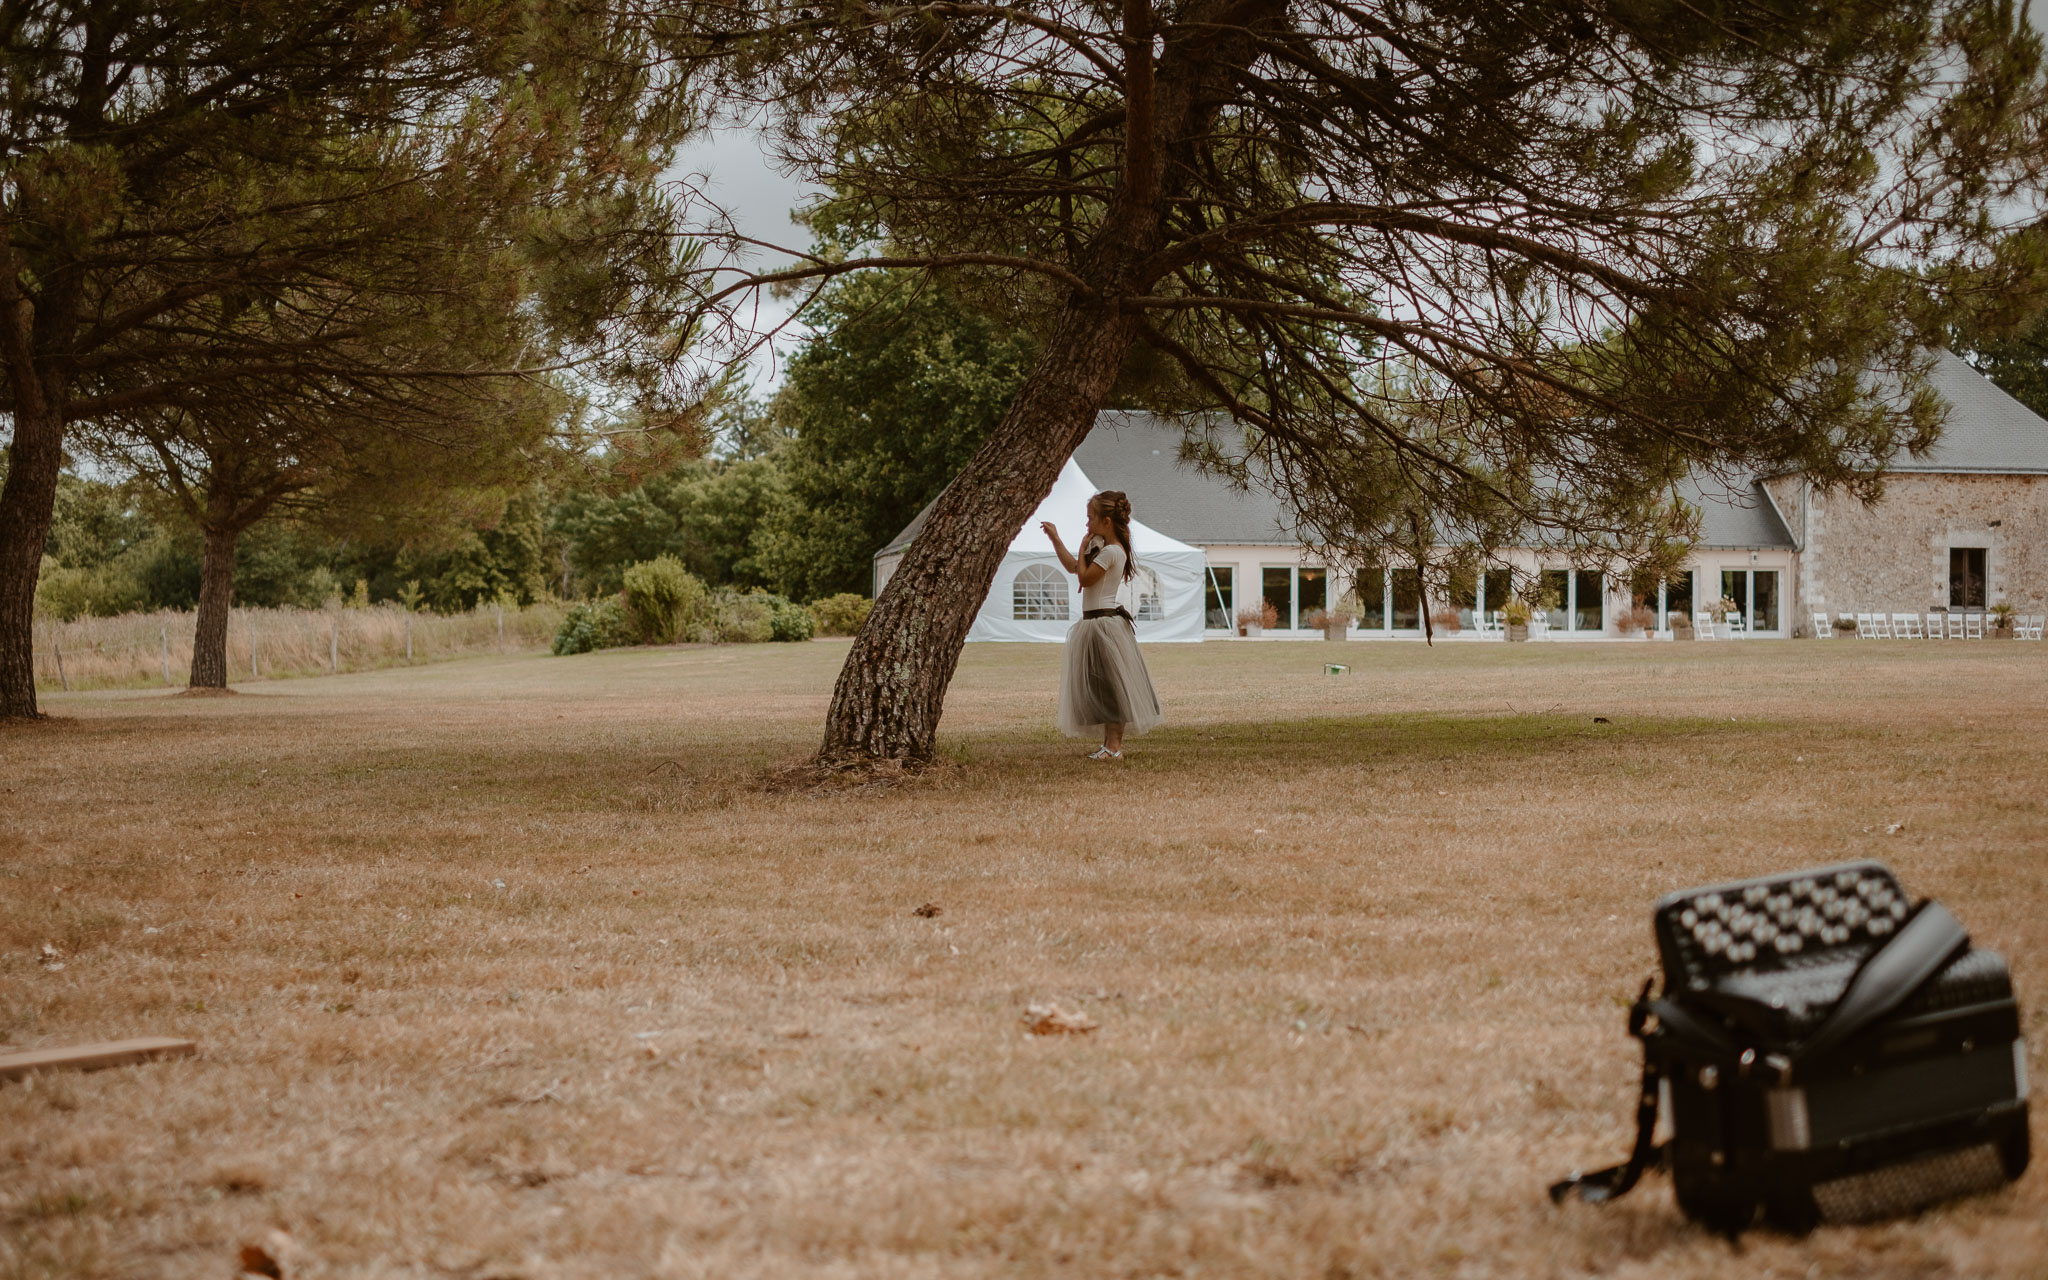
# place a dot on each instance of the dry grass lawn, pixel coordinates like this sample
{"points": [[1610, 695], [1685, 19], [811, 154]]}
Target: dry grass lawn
{"points": [[509, 967]]}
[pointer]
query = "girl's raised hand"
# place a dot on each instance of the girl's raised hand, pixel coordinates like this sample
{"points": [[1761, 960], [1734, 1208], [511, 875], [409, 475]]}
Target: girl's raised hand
{"points": [[1050, 531]]}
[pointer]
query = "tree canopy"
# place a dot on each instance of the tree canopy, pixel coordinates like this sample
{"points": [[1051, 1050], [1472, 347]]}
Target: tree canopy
{"points": [[1477, 271], [207, 208]]}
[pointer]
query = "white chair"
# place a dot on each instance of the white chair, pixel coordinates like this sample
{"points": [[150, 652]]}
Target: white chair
{"points": [[1973, 624], [1937, 626], [2032, 631], [1737, 628], [1702, 625], [1864, 631], [1880, 626], [1906, 626], [1955, 625], [1822, 628]]}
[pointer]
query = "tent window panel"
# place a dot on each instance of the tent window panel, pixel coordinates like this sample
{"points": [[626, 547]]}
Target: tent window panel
{"points": [[1407, 596], [1220, 588], [1145, 585], [1039, 595]]}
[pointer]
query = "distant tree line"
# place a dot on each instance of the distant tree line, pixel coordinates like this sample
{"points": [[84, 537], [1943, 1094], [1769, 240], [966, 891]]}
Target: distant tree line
{"points": [[881, 407]]}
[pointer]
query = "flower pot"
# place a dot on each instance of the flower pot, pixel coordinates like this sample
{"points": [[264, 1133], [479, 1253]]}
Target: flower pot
{"points": [[1683, 633], [1518, 630], [1999, 632], [1335, 630], [1251, 629]]}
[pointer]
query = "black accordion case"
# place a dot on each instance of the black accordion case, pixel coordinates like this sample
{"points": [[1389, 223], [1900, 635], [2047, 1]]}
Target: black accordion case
{"points": [[1823, 1050]]}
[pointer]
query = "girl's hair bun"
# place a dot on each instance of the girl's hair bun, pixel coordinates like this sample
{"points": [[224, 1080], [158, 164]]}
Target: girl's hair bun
{"points": [[1114, 504]]}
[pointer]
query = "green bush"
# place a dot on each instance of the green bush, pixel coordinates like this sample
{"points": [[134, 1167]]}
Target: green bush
{"points": [[663, 600], [790, 621], [841, 615], [99, 592], [743, 618], [598, 625]]}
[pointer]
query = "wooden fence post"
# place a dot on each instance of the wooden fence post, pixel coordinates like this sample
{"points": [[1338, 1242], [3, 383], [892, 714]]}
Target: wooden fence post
{"points": [[408, 638], [501, 628], [164, 634], [334, 648], [57, 645]]}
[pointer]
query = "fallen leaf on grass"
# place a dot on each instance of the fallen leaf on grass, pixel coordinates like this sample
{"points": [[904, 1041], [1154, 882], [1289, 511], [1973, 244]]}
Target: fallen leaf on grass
{"points": [[50, 958], [928, 910], [1895, 828], [1051, 1020]]}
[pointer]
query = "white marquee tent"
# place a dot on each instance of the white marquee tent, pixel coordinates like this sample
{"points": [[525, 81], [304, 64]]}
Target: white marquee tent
{"points": [[1032, 598]]}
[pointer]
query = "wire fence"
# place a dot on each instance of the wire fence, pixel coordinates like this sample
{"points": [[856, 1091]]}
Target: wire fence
{"points": [[135, 650]]}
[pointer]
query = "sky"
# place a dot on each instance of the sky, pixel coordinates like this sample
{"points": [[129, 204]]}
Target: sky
{"points": [[733, 172]]}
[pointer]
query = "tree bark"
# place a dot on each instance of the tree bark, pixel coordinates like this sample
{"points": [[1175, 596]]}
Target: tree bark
{"points": [[893, 686], [216, 597], [27, 502]]}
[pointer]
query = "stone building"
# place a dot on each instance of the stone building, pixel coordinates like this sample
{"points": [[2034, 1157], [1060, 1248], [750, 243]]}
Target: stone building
{"points": [[1962, 528]]}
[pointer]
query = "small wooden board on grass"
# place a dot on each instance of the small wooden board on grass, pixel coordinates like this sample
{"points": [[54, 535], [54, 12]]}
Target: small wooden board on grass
{"points": [[91, 1057]]}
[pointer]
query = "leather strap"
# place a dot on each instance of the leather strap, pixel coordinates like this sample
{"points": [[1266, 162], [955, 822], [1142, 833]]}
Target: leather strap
{"points": [[1118, 612], [1616, 1181]]}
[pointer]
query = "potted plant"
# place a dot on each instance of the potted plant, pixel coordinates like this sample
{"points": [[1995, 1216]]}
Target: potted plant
{"points": [[1516, 614], [2001, 621], [1640, 620], [1336, 624], [1845, 626], [1251, 621], [1681, 625]]}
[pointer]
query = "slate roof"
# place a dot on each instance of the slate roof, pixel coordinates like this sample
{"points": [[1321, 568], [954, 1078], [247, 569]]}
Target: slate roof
{"points": [[1987, 431]]}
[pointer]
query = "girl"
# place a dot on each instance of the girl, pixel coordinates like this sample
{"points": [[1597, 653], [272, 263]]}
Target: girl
{"points": [[1105, 684]]}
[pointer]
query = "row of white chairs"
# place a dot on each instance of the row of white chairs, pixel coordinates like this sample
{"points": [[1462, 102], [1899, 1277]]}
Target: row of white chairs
{"points": [[1953, 625]]}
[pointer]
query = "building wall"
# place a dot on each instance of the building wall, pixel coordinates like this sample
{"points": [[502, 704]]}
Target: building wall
{"points": [[1893, 556]]}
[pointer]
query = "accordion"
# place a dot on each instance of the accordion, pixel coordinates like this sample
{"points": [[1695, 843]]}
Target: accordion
{"points": [[1823, 1050]]}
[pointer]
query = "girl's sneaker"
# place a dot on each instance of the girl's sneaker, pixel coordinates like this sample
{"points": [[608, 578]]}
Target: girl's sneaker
{"points": [[1104, 753]]}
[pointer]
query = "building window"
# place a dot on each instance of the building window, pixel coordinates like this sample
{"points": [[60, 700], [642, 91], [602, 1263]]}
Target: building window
{"points": [[1372, 598], [1294, 591], [1404, 592], [1039, 595], [1496, 587], [1220, 589], [1755, 593], [1145, 584], [1464, 595], [1589, 601], [1677, 599], [1966, 577], [1573, 599]]}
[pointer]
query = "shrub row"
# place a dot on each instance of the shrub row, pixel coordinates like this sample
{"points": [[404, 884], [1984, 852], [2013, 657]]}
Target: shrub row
{"points": [[663, 603]]}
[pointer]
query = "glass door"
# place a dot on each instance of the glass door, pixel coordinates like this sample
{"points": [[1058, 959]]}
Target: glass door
{"points": [[1217, 616]]}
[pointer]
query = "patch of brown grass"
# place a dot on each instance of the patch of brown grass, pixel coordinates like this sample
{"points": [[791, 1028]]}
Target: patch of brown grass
{"points": [[513, 967]]}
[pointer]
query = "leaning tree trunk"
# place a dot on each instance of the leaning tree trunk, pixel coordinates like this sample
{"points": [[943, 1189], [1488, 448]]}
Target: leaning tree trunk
{"points": [[890, 692], [26, 503], [216, 595]]}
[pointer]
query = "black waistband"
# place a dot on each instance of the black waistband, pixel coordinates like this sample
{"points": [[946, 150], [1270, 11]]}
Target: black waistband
{"points": [[1118, 612]]}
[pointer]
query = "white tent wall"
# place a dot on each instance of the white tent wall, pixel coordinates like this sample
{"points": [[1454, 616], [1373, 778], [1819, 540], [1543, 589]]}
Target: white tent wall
{"points": [[1167, 567]]}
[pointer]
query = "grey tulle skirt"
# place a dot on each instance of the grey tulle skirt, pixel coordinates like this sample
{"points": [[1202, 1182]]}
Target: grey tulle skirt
{"points": [[1105, 681]]}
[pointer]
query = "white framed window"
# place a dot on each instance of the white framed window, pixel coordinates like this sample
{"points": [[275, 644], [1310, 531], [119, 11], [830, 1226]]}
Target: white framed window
{"points": [[1148, 604], [1039, 595]]}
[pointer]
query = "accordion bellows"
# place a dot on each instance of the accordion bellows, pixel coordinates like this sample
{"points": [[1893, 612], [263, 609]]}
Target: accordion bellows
{"points": [[1824, 1050]]}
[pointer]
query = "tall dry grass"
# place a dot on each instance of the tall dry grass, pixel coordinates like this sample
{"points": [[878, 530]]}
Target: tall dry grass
{"points": [[137, 650]]}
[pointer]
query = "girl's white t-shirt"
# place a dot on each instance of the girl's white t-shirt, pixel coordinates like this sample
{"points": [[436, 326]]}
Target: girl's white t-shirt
{"points": [[1103, 594]]}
